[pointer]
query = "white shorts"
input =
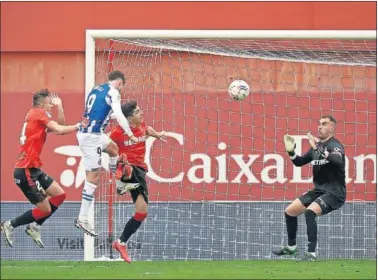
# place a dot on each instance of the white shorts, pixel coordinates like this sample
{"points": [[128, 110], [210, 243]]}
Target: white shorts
{"points": [[92, 145]]}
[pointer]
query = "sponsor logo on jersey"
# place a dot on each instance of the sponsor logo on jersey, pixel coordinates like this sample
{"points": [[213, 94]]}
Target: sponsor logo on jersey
{"points": [[130, 143], [319, 162]]}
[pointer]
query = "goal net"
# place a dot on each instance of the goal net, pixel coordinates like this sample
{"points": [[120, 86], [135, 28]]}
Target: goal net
{"points": [[219, 186]]}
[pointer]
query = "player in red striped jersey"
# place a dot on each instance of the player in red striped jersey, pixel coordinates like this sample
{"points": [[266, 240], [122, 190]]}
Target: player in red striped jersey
{"points": [[131, 169], [33, 182]]}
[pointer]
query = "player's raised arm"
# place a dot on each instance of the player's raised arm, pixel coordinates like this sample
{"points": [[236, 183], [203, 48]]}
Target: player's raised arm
{"points": [[159, 135], [297, 160], [118, 115], [44, 116], [57, 102], [58, 129]]}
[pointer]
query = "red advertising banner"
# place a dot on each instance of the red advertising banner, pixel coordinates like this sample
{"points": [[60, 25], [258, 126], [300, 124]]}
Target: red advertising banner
{"points": [[33, 34], [223, 150]]}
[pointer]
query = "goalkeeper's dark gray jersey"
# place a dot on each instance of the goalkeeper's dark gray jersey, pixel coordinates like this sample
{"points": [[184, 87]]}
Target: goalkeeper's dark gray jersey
{"points": [[329, 173]]}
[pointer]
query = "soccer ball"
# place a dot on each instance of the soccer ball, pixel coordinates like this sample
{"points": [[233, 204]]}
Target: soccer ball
{"points": [[238, 90]]}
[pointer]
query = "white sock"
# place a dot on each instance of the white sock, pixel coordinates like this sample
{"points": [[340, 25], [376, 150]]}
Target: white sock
{"points": [[86, 200], [113, 164], [120, 242], [292, 248], [313, 254]]}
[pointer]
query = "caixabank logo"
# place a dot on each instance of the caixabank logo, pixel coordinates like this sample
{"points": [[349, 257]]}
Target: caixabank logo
{"points": [[233, 170]]}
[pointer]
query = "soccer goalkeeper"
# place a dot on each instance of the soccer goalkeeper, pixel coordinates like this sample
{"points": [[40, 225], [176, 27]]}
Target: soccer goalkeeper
{"points": [[329, 193]]}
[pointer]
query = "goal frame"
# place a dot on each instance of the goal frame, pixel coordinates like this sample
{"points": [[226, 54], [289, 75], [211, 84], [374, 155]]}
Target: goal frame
{"points": [[93, 34]]}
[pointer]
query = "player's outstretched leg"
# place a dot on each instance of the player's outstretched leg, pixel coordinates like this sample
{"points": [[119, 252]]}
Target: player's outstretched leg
{"points": [[92, 147], [87, 199], [42, 210], [57, 197], [131, 226]]}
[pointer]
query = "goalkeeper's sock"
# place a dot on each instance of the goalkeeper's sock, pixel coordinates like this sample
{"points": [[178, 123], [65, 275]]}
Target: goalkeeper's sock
{"points": [[55, 202], [291, 227], [312, 230], [86, 200], [132, 226], [113, 164]]}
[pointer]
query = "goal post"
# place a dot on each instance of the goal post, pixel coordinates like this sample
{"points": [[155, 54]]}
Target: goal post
{"points": [[232, 34], [180, 78]]}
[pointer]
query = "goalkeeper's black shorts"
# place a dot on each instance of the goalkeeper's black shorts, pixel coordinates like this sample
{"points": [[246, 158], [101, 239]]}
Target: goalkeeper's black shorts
{"points": [[327, 201], [138, 176]]}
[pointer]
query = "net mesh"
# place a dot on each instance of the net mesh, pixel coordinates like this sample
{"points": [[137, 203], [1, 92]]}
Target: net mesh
{"points": [[347, 52], [219, 186]]}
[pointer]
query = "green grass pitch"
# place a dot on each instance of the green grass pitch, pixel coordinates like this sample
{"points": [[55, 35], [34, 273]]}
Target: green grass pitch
{"points": [[253, 269]]}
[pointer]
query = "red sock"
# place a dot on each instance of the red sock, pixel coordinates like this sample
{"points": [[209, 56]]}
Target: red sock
{"points": [[140, 216], [39, 214], [57, 200]]}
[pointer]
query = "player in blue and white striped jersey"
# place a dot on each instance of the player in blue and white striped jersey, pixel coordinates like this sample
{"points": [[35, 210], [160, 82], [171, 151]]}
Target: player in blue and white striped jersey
{"points": [[103, 101]]}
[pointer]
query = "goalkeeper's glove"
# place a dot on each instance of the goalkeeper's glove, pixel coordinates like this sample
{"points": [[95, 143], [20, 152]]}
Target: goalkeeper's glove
{"points": [[289, 144], [312, 140]]}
